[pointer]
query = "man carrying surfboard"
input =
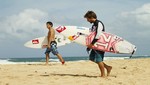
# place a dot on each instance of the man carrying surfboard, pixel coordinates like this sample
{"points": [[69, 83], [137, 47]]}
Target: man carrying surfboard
{"points": [[52, 45], [96, 55]]}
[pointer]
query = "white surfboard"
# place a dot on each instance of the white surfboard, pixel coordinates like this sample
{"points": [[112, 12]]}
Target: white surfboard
{"points": [[41, 42], [107, 42]]}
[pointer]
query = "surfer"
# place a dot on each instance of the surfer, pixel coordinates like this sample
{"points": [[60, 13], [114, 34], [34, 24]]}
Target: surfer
{"points": [[96, 55], [52, 45]]}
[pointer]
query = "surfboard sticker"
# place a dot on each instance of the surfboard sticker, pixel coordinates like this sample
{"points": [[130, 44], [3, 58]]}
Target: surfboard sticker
{"points": [[35, 41], [60, 29]]}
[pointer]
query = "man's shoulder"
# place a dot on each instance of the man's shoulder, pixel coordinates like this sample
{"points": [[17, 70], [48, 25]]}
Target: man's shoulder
{"points": [[52, 28], [98, 21]]}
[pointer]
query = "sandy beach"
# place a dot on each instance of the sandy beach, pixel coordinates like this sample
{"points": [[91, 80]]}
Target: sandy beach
{"points": [[124, 72]]}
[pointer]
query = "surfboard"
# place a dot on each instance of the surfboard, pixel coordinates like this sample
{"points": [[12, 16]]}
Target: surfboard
{"points": [[42, 42], [107, 42]]}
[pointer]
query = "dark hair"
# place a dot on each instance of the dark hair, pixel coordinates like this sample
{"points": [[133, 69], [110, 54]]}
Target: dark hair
{"points": [[50, 23], [90, 14]]}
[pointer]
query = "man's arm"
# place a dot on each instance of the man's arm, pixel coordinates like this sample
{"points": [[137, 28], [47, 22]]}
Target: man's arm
{"points": [[98, 33]]}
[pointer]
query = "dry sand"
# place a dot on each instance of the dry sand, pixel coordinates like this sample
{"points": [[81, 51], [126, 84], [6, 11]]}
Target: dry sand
{"points": [[124, 72]]}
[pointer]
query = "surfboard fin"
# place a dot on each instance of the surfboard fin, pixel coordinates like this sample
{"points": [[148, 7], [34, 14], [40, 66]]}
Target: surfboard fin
{"points": [[133, 52]]}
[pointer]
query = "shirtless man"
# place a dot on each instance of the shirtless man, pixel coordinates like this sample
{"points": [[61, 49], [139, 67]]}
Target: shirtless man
{"points": [[52, 45]]}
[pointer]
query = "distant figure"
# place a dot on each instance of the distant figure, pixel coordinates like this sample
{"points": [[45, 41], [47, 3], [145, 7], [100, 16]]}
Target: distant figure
{"points": [[52, 45], [96, 55]]}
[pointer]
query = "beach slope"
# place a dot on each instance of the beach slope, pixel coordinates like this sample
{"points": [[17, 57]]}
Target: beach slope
{"points": [[124, 72]]}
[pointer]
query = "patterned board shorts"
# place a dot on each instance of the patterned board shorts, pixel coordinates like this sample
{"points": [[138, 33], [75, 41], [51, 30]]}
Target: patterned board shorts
{"points": [[53, 48]]}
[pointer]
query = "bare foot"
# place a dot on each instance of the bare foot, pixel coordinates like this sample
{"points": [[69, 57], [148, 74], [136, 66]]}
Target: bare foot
{"points": [[109, 70], [63, 62], [46, 64], [103, 76]]}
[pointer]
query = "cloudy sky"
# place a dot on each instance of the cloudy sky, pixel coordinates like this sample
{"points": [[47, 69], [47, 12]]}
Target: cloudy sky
{"points": [[22, 20]]}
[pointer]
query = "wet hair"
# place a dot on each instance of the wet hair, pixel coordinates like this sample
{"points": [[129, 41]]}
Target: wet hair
{"points": [[90, 14], [50, 23]]}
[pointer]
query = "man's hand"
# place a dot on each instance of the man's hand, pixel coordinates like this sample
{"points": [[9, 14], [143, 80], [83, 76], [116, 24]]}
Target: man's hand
{"points": [[90, 46], [48, 46], [44, 46], [88, 50]]}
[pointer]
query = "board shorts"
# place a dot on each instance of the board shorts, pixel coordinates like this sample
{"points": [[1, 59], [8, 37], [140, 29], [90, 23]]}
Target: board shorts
{"points": [[96, 56], [53, 48]]}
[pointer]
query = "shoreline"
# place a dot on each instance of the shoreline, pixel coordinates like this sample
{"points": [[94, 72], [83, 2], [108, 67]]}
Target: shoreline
{"points": [[6, 62]]}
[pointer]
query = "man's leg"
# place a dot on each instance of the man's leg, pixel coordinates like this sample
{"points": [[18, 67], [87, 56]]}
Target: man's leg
{"points": [[108, 68], [47, 55], [55, 52], [95, 57], [47, 59], [99, 55], [101, 67], [60, 58]]}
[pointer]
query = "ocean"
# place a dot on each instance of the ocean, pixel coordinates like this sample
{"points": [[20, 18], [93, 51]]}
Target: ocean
{"points": [[54, 59]]}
